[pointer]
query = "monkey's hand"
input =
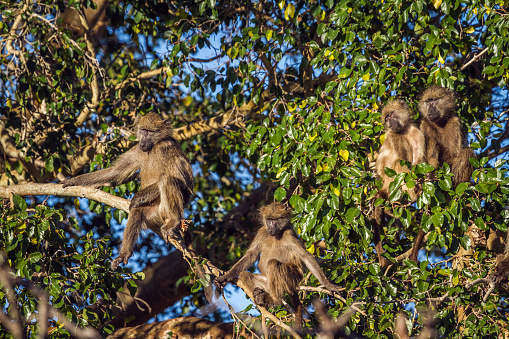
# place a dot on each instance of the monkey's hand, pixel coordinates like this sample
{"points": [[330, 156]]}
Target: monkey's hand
{"points": [[168, 232], [122, 258], [68, 182], [332, 287], [137, 201], [221, 281]]}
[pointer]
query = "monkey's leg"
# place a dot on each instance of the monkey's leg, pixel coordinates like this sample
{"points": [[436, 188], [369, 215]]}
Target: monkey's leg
{"points": [[171, 206], [258, 283], [132, 231], [461, 167], [169, 229], [298, 310]]}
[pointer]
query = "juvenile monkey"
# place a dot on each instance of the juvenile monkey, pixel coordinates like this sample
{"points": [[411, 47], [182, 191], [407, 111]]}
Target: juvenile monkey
{"points": [[166, 180], [403, 141], [282, 258], [445, 141]]}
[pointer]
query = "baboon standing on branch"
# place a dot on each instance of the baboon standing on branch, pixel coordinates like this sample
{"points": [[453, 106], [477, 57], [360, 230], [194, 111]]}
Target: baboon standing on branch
{"points": [[166, 180], [282, 259], [445, 141]]}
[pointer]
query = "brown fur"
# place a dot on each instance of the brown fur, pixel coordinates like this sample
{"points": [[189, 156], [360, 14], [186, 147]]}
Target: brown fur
{"points": [[293, 274], [282, 258], [403, 141], [166, 180], [445, 141]]}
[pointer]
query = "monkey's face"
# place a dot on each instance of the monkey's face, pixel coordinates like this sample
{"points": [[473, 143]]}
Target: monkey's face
{"points": [[146, 139], [437, 103], [396, 116], [276, 217], [429, 109], [275, 226]]}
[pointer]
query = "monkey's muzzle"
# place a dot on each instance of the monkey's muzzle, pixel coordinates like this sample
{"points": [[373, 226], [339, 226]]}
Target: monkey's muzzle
{"points": [[272, 228], [145, 147], [433, 113]]}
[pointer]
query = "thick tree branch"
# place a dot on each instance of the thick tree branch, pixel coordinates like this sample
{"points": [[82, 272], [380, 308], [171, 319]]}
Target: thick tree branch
{"points": [[56, 189], [94, 103], [183, 327]]}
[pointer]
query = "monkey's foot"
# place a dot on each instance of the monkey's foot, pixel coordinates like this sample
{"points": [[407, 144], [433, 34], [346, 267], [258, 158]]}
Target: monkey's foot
{"points": [[118, 260], [261, 298], [168, 233], [221, 281], [184, 224]]}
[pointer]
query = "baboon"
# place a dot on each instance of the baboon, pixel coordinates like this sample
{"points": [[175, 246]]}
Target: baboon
{"points": [[166, 180], [282, 258], [403, 141], [445, 141]]}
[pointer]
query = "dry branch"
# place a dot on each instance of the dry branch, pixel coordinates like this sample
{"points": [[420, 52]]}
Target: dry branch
{"points": [[185, 327], [56, 189], [474, 59]]}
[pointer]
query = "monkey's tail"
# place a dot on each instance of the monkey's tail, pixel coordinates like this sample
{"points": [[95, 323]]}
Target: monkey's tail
{"points": [[283, 278]]}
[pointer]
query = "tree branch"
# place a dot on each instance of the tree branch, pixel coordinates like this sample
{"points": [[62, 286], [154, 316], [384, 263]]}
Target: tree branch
{"points": [[12, 34], [474, 59], [57, 189], [94, 103], [183, 327], [144, 75]]}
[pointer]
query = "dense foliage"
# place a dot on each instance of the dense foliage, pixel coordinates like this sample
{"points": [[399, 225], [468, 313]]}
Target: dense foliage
{"points": [[283, 97]]}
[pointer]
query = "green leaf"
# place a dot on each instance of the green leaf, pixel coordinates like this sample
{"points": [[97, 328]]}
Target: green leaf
{"points": [[19, 202], [460, 189], [351, 214], [280, 194]]}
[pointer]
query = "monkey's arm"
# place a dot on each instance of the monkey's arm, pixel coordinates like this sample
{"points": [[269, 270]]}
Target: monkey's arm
{"points": [[252, 254], [310, 261], [432, 148], [416, 139], [124, 169], [457, 137], [145, 197]]}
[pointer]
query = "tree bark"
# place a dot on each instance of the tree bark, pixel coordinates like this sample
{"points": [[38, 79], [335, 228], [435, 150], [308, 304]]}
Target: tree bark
{"points": [[184, 327]]}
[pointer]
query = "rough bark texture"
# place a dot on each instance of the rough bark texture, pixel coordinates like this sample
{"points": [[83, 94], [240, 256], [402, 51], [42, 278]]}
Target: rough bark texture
{"points": [[184, 327]]}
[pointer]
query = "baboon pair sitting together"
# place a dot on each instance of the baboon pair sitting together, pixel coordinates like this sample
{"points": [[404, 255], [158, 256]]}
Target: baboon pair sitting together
{"points": [[439, 140]]}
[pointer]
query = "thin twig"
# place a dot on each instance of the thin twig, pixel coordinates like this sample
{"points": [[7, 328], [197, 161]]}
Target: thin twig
{"points": [[474, 59]]}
